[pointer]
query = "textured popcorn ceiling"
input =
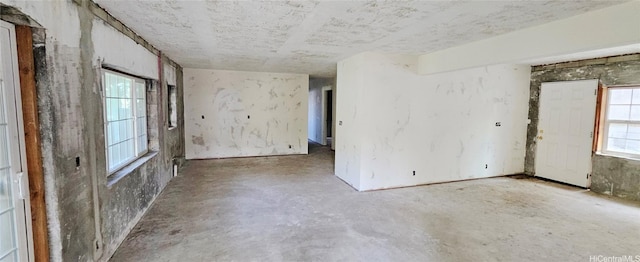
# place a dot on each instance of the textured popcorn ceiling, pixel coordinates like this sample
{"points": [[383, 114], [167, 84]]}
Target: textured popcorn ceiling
{"points": [[311, 36]]}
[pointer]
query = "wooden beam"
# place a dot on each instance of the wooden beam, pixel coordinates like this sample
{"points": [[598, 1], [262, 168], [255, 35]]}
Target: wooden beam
{"points": [[24, 42], [597, 126]]}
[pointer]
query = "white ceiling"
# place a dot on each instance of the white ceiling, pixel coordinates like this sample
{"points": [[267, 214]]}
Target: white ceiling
{"points": [[311, 36]]}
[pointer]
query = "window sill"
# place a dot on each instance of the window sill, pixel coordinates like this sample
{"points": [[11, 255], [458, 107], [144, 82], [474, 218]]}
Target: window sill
{"points": [[630, 158], [128, 169]]}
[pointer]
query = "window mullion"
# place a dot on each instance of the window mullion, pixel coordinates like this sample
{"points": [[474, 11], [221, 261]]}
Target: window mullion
{"points": [[135, 117]]}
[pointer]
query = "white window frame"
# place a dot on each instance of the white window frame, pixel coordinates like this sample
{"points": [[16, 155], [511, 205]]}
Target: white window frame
{"points": [[605, 137], [137, 131]]}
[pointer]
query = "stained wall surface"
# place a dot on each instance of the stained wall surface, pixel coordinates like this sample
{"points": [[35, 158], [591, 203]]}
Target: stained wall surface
{"points": [[89, 213], [239, 114], [611, 175], [401, 129]]}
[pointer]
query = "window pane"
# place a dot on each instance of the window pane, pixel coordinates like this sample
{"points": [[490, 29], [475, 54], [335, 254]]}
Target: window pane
{"points": [[636, 96], [108, 89], [2, 113], [142, 144], [114, 156], [617, 130], [635, 112], [127, 88], [140, 107], [123, 152], [111, 135], [109, 157], [4, 154], [142, 126], [7, 227], [140, 89], [620, 96], [116, 132], [114, 85], [619, 112], [616, 144], [634, 132], [6, 200], [115, 102], [130, 144], [633, 146], [112, 109], [128, 108]]}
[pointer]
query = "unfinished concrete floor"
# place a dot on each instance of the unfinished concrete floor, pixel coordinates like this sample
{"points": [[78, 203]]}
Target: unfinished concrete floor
{"points": [[292, 208]]}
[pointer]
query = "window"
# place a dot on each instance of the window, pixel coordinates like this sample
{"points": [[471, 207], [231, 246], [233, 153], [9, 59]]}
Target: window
{"points": [[622, 122], [125, 118], [173, 107]]}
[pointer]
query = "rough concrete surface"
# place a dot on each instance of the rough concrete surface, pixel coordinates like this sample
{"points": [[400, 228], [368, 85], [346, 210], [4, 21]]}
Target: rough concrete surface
{"points": [[616, 176], [292, 208]]}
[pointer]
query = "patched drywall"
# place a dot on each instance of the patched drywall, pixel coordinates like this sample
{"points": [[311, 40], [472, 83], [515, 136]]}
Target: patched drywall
{"points": [[317, 108], [89, 214], [611, 175], [399, 128], [238, 114]]}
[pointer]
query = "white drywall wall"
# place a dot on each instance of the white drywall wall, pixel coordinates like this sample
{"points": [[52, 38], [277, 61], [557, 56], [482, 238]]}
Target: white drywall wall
{"points": [[237, 114], [442, 126], [349, 119], [615, 26], [130, 57]]}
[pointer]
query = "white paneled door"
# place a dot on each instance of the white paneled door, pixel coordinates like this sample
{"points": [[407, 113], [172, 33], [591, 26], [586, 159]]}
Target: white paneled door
{"points": [[565, 131], [14, 203]]}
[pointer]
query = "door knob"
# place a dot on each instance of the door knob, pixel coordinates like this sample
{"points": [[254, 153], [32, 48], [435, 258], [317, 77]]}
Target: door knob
{"points": [[539, 137]]}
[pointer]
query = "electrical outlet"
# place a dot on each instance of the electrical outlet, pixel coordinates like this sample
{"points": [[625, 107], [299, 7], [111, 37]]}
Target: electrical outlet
{"points": [[414, 173], [498, 124]]}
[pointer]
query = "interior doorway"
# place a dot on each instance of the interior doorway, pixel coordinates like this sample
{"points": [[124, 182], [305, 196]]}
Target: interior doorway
{"points": [[328, 94]]}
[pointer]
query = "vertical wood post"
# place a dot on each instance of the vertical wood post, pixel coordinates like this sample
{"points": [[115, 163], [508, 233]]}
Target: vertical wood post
{"points": [[26, 68]]}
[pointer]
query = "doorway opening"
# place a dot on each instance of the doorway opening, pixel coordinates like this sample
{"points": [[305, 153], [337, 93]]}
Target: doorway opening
{"points": [[329, 116]]}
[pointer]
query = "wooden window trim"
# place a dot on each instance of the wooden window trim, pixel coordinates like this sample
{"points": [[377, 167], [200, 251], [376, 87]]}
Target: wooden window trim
{"points": [[26, 70]]}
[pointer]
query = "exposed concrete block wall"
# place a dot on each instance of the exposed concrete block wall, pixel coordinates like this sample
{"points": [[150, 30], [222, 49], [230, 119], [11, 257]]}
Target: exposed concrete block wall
{"points": [[442, 126], [611, 175], [238, 114], [317, 109], [88, 214]]}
